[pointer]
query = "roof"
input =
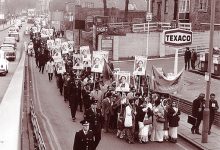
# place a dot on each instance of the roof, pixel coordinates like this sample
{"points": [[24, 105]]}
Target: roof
{"points": [[120, 4]]}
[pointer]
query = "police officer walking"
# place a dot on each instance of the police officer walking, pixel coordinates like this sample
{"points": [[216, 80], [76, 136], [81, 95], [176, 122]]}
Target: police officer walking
{"points": [[84, 139], [94, 117]]}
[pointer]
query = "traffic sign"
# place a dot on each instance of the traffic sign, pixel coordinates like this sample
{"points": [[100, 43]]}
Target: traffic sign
{"points": [[101, 29], [149, 17]]}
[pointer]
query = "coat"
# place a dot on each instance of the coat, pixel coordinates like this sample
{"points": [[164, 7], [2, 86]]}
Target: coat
{"points": [[95, 120], [173, 119], [106, 107], [197, 104], [84, 142], [187, 55]]}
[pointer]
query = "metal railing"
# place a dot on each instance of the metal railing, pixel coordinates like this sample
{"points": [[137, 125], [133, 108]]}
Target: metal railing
{"points": [[119, 24], [185, 26], [158, 26]]}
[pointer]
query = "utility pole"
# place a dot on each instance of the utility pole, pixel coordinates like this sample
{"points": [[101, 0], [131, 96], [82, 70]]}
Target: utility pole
{"points": [[205, 127]]}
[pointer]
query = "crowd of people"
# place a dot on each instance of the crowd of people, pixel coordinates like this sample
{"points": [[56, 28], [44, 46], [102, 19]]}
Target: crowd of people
{"points": [[134, 116]]}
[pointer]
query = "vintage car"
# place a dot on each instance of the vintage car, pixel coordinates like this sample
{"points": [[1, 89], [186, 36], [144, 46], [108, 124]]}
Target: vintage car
{"points": [[9, 51], [3, 63], [14, 34], [13, 28], [10, 40]]}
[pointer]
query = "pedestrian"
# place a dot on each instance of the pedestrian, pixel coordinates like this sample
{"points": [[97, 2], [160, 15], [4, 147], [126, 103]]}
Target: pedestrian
{"points": [[213, 107], [94, 116], [193, 59], [158, 122], [173, 118], [66, 78], [187, 57], [84, 138], [145, 123], [42, 62], [60, 83], [50, 69], [129, 121], [97, 95], [75, 96], [106, 110], [197, 112], [86, 97]]}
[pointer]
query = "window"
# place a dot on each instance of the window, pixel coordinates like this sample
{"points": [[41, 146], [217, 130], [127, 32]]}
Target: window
{"points": [[184, 6], [89, 4], [166, 7], [203, 5]]}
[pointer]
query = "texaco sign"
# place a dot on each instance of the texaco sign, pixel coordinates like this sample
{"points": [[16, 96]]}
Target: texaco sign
{"points": [[177, 37]]}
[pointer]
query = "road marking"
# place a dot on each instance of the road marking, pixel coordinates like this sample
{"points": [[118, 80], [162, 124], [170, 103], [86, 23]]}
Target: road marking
{"points": [[180, 145], [45, 119]]}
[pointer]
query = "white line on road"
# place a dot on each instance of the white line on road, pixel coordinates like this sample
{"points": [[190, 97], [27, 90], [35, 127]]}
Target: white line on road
{"points": [[45, 120]]}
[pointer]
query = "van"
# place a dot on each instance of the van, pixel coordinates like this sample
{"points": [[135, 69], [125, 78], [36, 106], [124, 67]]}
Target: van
{"points": [[14, 34], [3, 63], [10, 52]]}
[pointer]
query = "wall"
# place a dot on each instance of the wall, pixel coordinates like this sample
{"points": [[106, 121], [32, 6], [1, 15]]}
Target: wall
{"points": [[135, 44]]}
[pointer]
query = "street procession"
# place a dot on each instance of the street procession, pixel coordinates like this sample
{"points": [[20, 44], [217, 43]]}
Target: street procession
{"points": [[109, 75], [135, 107]]}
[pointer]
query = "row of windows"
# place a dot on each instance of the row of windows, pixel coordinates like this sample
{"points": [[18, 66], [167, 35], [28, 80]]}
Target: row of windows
{"points": [[184, 6]]}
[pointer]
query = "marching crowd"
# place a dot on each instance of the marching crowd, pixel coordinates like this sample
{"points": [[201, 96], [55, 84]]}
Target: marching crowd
{"points": [[135, 116]]}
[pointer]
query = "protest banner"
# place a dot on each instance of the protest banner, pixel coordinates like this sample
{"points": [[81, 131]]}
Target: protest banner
{"points": [[140, 64], [97, 63], [77, 62], [123, 81]]}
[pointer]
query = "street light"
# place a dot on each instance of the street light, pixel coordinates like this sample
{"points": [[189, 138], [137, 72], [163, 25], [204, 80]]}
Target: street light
{"points": [[148, 19], [205, 127]]}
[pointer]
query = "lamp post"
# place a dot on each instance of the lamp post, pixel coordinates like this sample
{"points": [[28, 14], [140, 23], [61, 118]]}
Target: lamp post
{"points": [[148, 19], [205, 127]]}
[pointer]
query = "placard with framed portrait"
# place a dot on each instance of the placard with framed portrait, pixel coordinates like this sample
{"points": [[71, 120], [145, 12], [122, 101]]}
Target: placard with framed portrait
{"points": [[140, 64]]}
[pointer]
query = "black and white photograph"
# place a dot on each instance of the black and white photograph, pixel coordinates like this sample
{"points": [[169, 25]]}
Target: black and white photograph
{"points": [[123, 74]]}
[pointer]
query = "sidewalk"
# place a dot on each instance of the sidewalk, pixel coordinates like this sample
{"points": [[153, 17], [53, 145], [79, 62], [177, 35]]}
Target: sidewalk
{"points": [[184, 131]]}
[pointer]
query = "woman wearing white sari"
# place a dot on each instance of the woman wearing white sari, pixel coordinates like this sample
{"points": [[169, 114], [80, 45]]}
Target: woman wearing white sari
{"points": [[158, 122], [145, 126]]}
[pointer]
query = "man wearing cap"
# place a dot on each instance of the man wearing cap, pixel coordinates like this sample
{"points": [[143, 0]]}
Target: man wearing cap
{"points": [[94, 117], [84, 139]]}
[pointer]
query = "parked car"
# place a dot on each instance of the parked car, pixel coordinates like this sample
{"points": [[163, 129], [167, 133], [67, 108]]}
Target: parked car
{"points": [[13, 28], [10, 40], [14, 34], [10, 52], [27, 31], [3, 63]]}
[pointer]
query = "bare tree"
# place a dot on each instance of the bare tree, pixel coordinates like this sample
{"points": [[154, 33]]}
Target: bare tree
{"points": [[126, 11]]}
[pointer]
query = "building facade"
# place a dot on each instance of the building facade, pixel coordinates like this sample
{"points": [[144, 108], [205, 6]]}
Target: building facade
{"points": [[196, 12]]}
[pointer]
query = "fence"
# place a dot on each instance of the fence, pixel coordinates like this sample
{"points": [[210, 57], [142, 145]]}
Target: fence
{"points": [[119, 24], [158, 26], [198, 49], [36, 128]]}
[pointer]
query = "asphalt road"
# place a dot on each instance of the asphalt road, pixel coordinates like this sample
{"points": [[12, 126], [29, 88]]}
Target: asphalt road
{"points": [[58, 129], [5, 80]]}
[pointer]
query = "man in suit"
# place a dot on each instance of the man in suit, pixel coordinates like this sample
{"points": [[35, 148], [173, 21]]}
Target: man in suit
{"points": [[106, 110], [213, 107], [197, 112], [84, 139], [94, 116]]}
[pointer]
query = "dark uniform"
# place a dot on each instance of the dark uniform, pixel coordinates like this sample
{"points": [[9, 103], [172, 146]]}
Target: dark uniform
{"points": [[95, 120], [84, 139]]}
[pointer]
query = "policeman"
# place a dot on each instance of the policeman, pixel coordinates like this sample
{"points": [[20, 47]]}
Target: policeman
{"points": [[84, 139], [95, 118]]}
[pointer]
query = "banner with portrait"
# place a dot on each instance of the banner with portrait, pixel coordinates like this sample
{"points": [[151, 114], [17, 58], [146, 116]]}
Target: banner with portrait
{"points": [[50, 32], [56, 56], [57, 43], [87, 61], [50, 44], [97, 63], [140, 64], [77, 62], [64, 48], [60, 66], [44, 33], [70, 45], [123, 81], [34, 29]]}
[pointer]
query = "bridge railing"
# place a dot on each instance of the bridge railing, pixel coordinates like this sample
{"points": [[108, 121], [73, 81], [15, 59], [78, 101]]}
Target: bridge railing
{"points": [[11, 109]]}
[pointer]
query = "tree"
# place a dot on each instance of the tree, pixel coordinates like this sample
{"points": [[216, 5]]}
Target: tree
{"points": [[105, 7], [126, 11]]}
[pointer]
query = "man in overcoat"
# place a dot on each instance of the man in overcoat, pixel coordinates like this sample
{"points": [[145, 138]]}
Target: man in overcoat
{"points": [[197, 112]]}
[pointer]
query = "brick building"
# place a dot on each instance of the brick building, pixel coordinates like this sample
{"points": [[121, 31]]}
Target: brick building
{"points": [[196, 12]]}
